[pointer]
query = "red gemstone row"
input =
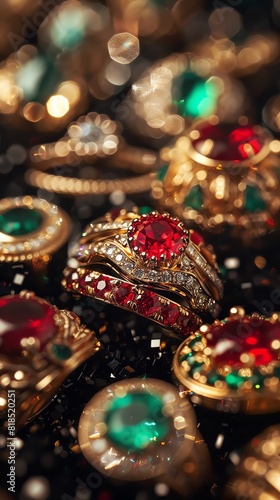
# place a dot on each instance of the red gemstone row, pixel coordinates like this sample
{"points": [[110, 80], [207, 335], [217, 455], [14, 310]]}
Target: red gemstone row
{"points": [[126, 295]]}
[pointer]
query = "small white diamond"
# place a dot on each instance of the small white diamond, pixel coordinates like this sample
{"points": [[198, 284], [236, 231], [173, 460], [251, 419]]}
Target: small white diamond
{"points": [[139, 273], [199, 260], [129, 266], [190, 249], [202, 301], [180, 277], [20, 247], [110, 251], [153, 275], [18, 279], [119, 257], [189, 281], [186, 262], [166, 277], [50, 230]]}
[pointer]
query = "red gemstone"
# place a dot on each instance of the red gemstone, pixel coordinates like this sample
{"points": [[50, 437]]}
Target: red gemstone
{"points": [[187, 324], [101, 286], [169, 314], [156, 236], [252, 336], [23, 318], [196, 238], [125, 294], [148, 304], [228, 143]]}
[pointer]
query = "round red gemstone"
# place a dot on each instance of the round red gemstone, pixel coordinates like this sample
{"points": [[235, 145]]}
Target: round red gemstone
{"points": [[157, 236], [22, 318], [228, 143], [252, 336], [125, 294], [148, 304], [101, 286], [169, 314]]}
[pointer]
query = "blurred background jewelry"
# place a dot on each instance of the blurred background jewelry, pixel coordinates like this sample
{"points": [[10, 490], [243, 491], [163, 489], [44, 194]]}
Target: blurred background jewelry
{"points": [[40, 346], [180, 89], [92, 137], [31, 230], [136, 429], [257, 468], [218, 174], [233, 365]]}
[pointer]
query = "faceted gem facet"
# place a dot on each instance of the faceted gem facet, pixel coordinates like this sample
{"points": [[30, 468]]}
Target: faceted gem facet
{"points": [[226, 143], [125, 294], [169, 314], [157, 236], [136, 421], [20, 221], [24, 318], [101, 286], [61, 352], [194, 96], [148, 304]]}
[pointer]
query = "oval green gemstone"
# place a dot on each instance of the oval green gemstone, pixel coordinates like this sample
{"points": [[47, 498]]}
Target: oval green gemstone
{"points": [[61, 352], [253, 199], [193, 96], [136, 421], [20, 221]]}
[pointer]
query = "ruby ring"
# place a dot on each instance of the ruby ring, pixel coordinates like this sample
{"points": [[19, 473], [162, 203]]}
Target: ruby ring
{"points": [[39, 346]]}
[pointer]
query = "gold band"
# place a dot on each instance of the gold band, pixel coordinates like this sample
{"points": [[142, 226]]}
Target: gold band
{"points": [[92, 138], [75, 187], [135, 298], [32, 229]]}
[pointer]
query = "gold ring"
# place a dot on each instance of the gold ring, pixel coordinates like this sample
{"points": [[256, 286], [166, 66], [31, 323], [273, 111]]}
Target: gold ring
{"points": [[136, 429], [40, 346], [179, 319], [92, 137], [233, 365], [157, 249], [31, 229], [219, 174]]}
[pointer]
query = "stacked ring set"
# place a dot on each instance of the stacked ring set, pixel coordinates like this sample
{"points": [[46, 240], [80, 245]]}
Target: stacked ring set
{"points": [[149, 264]]}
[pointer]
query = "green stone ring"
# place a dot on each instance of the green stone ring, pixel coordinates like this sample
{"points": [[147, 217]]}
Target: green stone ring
{"points": [[134, 429], [31, 229]]}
